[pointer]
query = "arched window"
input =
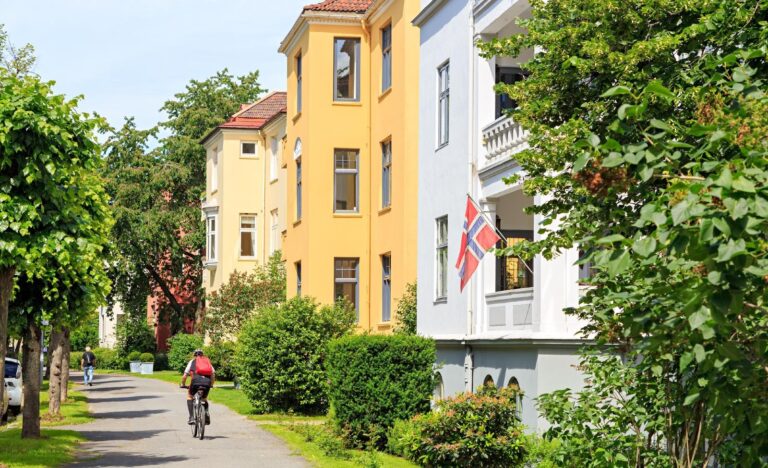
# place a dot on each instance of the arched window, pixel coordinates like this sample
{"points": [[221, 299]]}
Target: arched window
{"points": [[488, 381], [515, 385], [439, 391]]}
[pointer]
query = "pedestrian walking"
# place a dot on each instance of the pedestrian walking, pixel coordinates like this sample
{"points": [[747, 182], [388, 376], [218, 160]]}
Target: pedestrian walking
{"points": [[87, 364]]}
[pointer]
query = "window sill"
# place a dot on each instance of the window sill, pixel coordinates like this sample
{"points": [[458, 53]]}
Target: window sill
{"points": [[245, 156], [296, 223], [348, 103], [385, 210], [440, 300], [347, 215], [210, 264], [439, 147], [384, 326], [214, 191], [247, 259], [296, 117], [385, 93], [272, 181]]}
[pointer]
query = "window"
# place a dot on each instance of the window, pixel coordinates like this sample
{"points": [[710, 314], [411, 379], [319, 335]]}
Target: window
{"points": [[506, 75], [346, 63], [386, 174], [274, 235], [247, 149], [298, 189], [298, 83], [386, 288], [515, 385], [345, 280], [273, 159], [488, 381], [512, 272], [345, 181], [210, 238], [441, 257], [298, 278], [247, 236], [386, 57], [443, 105], [439, 391], [215, 170]]}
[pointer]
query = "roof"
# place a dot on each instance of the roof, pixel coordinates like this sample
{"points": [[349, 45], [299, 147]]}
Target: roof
{"points": [[255, 116], [347, 6]]}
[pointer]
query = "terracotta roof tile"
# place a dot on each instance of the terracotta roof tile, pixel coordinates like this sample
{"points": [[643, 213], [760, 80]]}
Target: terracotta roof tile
{"points": [[346, 6], [256, 115]]}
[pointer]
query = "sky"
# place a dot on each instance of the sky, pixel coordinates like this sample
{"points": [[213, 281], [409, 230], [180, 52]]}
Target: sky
{"points": [[127, 57]]}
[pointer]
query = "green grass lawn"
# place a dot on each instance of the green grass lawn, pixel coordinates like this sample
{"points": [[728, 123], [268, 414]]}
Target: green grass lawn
{"points": [[74, 411], [55, 448], [315, 455]]}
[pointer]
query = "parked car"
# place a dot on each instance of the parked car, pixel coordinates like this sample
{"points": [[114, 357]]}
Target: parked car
{"points": [[13, 384]]}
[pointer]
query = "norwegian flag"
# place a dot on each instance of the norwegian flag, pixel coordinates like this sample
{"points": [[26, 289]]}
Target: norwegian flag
{"points": [[477, 238]]}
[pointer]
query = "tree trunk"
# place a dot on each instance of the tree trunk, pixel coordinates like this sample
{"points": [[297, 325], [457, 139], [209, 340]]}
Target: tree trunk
{"points": [[54, 382], [30, 428], [65, 366], [6, 289]]}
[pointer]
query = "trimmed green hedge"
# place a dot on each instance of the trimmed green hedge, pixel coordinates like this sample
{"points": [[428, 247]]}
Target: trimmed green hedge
{"points": [[222, 356], [376, 380], [280, 359], [182, 346]]}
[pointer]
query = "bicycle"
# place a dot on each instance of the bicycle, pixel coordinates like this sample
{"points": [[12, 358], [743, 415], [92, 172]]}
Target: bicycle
{"points": [[198, 413]]}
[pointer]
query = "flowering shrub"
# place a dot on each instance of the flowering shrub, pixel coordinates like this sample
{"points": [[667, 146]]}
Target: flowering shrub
{"points": [[478, 430]]}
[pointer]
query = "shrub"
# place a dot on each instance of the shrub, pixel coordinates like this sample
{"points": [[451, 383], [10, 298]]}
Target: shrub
{"points": [[280, 357], [134, 356], [402, 438], [480, 429], [324, 437], [376, 380], [134, 334], [406, 311], [106, 359], [161, 361], [181, 348], [74, 359], [222, 359], [86, 334], [147, 357]]}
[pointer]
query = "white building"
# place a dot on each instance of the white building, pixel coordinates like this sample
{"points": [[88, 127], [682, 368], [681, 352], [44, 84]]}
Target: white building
{"points": [[108, 321], [508, 325]]}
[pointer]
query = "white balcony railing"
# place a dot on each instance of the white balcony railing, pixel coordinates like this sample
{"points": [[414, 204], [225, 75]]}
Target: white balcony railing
{"points": [[509, 310], [501, 139]]}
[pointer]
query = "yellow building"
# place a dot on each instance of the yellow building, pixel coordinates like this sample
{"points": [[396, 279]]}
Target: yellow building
{"points": [[352, 150], [244, 205]]}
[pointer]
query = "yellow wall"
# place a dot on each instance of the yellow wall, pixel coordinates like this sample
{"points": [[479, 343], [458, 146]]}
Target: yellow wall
{"points": [[325, 125], [243, 189]]}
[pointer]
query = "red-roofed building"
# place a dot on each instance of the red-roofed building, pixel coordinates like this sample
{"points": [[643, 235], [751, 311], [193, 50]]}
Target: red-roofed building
{"points": [[244, 203]]}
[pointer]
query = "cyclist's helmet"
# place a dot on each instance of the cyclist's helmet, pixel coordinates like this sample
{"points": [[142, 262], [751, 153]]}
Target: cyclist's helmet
{"points": [[198, 352]]}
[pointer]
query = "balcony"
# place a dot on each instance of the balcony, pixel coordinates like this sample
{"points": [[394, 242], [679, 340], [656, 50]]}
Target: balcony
{"points": [[509, 310], [501, 139]]}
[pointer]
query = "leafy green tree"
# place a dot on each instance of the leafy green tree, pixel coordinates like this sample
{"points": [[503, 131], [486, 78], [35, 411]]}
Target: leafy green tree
{"points": [[53, 216], [86, 333], [647, 123], [407, 311], [16, 60], [134, 334], [155, 192], [242, 296]]}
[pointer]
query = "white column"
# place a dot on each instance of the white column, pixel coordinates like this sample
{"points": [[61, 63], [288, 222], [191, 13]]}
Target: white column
{"points": [[487, 272]]}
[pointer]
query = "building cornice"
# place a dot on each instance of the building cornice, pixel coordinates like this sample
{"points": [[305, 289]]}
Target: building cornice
{"points": [[500, 167], [427, 12], [316, 17], [377, 10], [554, 342]]}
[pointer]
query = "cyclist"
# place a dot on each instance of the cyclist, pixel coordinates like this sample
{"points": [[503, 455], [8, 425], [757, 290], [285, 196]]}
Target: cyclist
{"points": [[203, 376]]}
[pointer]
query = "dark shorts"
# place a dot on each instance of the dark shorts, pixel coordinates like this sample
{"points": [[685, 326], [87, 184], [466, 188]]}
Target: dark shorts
{"points": [[199, 382]]}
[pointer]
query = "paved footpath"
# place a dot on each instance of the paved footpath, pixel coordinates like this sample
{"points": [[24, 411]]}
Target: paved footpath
{"points": [[143, 422]]}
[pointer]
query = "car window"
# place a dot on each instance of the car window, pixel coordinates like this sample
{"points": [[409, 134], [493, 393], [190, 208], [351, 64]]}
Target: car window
{"points": [[10, 369]]}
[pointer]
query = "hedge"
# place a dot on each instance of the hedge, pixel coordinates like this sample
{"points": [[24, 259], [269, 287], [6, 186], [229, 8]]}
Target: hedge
{"points": [[280, 359], [182, 346], [222, 356], [376, 380]]}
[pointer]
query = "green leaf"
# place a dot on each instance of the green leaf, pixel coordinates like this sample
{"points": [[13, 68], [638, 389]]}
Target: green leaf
{"points": [[699, 353], [699, 317], [685, 360], [616, 91], [726, 179], [681, 212], [661, 125], [613, 160], [722, 226], [657, 89], [743, 185], [581, 161], [611, 239], [715, 277], [618, 262], [731, 249], [691, 398], [634, 158], [593, 140], [644, 246], [646, 173]]}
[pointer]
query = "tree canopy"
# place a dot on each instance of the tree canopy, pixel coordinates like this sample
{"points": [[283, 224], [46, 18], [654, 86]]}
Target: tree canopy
{"points": [[647, 122]]}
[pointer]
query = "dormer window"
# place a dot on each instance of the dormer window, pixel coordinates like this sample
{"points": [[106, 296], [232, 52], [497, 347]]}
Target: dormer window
{"points": [[247, 149]]}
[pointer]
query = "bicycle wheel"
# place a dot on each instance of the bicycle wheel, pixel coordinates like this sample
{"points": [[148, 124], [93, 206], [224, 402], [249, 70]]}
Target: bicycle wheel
{"points": [[200, 420], [195, 405]]}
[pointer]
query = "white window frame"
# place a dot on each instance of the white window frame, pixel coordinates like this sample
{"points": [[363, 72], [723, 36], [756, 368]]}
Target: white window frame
{"points": [[274, 148], [253, 155], [274, 232], [299, 188], [344, 171], [253, 231], [386, 174], [441, 276], [386, 285], [443, 111], [299, 64], [386, 59], [355, 280], [297, 266], [358, 48], [211, 238]]}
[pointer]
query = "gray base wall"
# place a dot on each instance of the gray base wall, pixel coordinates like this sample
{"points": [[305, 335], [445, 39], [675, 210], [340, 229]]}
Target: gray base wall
{"points": [[538, 370]]}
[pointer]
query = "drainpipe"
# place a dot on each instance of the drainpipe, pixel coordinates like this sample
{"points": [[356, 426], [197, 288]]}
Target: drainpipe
{"points": [[264, 200], [367, 36]]}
